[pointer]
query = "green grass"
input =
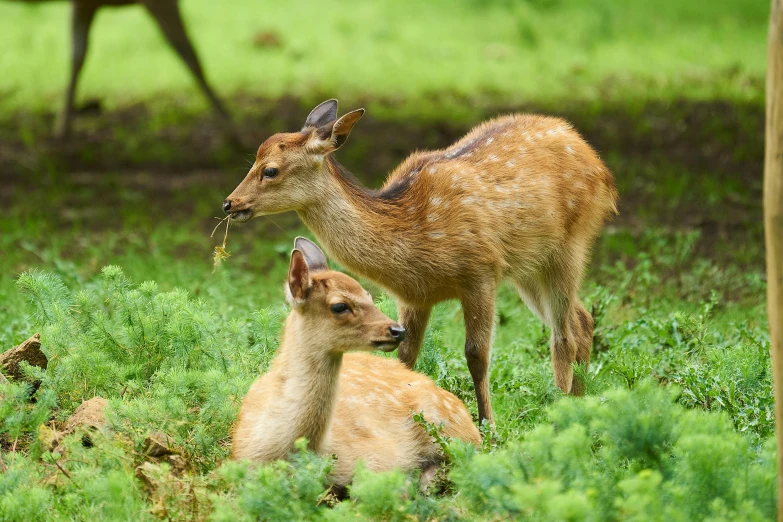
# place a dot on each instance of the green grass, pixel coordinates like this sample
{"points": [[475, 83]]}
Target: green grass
{"points": [[409, 54], [179, 361], [677, 423]]}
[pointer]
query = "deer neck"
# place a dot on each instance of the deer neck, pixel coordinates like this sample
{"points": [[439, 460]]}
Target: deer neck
{"points": [[363, 229], [310, 380]]}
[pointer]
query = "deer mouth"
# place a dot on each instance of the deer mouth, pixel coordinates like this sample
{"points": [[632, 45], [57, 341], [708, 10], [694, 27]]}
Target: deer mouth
{"points": [[386, 345], [241, 216]]}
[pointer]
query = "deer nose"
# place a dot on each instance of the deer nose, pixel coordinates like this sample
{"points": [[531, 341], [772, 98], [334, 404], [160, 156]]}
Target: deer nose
{"points": [[397, 332], [227, 206]]}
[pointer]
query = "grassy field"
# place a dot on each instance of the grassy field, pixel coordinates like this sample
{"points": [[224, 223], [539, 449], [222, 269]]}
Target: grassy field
{"points": [[678, 420], [405, 54]]}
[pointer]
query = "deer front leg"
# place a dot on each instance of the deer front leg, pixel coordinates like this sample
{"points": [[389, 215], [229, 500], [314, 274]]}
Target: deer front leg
{"points": [[167, 15], [414, 319], [478, 307], [82, 16]]}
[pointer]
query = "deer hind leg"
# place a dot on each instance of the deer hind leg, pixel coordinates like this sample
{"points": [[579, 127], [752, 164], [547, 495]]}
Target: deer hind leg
{"points": [[414, 319], [81, 20], [167, 15], [478, 307], [571, 324], [582, 329]]}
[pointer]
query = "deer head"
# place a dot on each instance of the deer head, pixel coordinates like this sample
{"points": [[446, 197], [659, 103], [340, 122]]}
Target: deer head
{"points": [[333, 312], [289, 171]]}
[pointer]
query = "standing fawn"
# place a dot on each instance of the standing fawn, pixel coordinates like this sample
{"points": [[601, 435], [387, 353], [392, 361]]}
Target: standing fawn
{"points": [[167, 15], [354, 406], [520, 197]]}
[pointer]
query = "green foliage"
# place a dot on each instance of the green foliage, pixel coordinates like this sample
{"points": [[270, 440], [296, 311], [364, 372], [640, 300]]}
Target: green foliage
{"points": [[165, 360], [607, 460], [633, 449], [279, 491], [18, 415]]}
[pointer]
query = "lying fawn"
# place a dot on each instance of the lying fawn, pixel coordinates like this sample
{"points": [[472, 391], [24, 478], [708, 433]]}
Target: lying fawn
{"points": [[166, 14], [520, 197], [355, 406]]}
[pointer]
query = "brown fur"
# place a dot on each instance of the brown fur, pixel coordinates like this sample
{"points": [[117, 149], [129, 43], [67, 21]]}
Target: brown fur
{"points": [[355, 406], [521, 198]]}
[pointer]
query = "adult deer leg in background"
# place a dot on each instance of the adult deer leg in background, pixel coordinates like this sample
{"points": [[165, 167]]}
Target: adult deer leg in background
{"points": [[166, 13], [81, 19]]}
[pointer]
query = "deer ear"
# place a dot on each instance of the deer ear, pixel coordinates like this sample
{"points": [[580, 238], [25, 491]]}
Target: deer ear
{"points": [[342, 127], [298, 278], [314, 256], [324, 114], [331, 136]]}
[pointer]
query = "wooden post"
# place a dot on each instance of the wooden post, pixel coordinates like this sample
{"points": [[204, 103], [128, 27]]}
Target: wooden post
{"points": [[773, 219]]}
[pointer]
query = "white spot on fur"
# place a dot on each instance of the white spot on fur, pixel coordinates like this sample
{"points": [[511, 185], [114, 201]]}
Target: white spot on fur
{"points": [[539, 135], [469, 200], [493, 157], [510, 163], [432, 217], [571, 204], [431, 170], [566, 174], [490, 140], [569, 149], [435, 200], [437, 235]]}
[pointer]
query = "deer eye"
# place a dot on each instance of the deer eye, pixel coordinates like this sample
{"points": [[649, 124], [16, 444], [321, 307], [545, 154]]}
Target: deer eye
{"points": [[270, 172], [339, 308]]}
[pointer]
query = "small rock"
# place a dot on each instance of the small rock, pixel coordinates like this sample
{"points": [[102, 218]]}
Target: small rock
{"points": [[90, 414], [29, 351], [147, 472], [178, 464], [157, 445]]}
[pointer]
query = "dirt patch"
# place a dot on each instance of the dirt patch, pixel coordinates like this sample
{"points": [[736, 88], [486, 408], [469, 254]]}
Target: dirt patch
{"points": [[119, 159]]}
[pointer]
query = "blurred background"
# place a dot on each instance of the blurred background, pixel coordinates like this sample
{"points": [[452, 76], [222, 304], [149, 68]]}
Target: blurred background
{"points": [[671, 94]]}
